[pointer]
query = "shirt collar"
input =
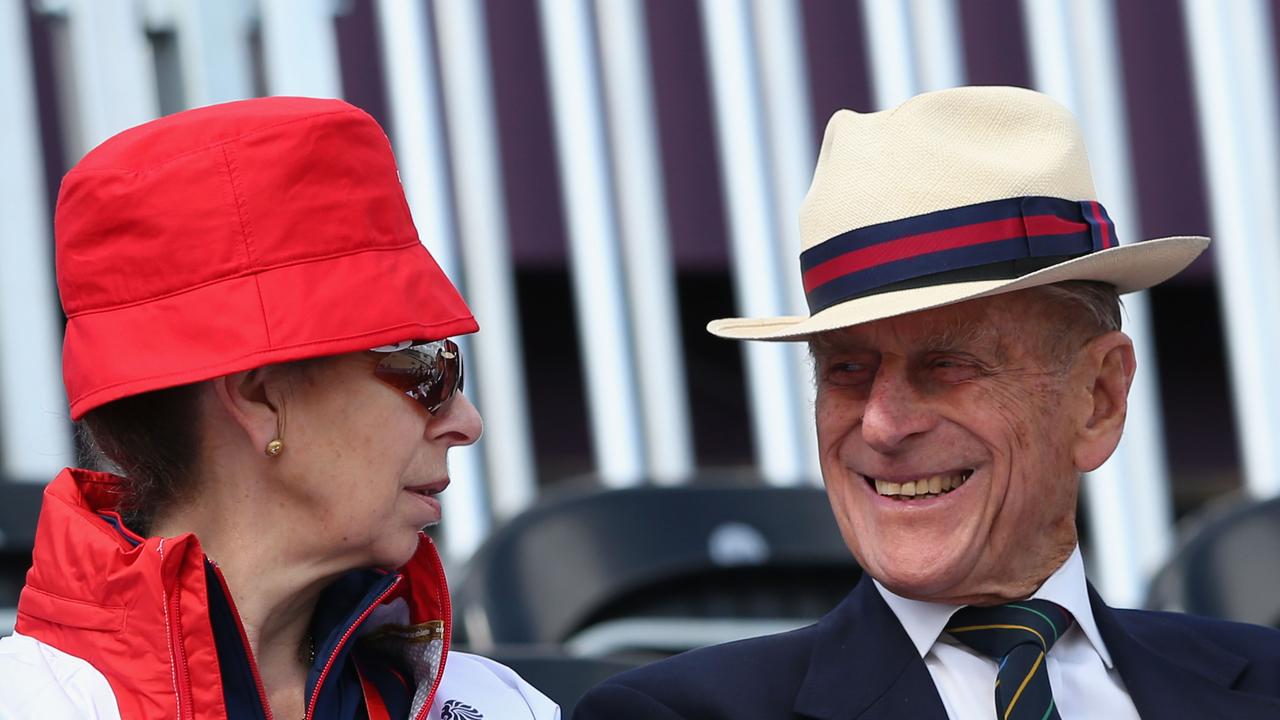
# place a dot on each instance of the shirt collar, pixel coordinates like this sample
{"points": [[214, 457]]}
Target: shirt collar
{"points": [[925, 621]]}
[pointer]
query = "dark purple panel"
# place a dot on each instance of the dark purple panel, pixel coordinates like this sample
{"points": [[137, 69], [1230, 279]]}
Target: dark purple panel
{"points": [[360, 60], [839, 69], [530, 177], [995, 48], [686, 126], [686, 132], [1163, 136], [45, 77], [1275, 26]]}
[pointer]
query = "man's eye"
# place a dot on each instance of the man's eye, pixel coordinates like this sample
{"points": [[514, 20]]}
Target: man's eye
{"points": [[953, 369], [847, 373]]}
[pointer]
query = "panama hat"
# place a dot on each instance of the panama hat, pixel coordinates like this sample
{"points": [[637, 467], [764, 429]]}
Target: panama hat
{"points": [[234, 236], [951, 196]]}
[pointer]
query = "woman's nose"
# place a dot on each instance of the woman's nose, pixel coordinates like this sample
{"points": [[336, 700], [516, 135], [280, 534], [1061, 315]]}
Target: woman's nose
{"points": [[460, 422]]}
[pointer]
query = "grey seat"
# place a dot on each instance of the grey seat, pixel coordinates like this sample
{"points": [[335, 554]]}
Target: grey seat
{"points": [[655, 570], [1229, 566], [19, 508]]}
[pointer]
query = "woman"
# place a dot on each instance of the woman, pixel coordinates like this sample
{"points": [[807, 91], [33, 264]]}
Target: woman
{"points": [[258, 341]]}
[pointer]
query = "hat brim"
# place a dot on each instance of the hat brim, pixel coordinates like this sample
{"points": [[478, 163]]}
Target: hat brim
{"points": [[1128, 267], [276, 315]]}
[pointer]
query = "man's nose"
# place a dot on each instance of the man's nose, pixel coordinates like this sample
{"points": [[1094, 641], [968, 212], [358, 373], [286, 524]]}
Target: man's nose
{"points": [[895, 412]]}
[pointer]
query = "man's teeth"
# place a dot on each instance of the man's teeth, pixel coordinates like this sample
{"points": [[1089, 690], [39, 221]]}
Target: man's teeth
{"points": [[928, 487]]}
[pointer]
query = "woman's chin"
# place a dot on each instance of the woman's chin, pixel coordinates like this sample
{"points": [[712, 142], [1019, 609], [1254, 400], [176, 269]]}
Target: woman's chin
{"points": [[392, 553]]}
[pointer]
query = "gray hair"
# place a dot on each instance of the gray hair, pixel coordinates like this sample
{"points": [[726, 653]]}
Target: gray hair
{"points": [[1099, 300]]}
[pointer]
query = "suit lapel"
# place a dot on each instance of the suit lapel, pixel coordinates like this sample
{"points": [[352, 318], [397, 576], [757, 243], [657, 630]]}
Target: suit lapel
{"points": [[1178, 674], [864, 666]]}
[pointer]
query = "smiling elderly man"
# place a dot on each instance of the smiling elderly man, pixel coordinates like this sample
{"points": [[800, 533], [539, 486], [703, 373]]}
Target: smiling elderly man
{"points": [[963, 285]]}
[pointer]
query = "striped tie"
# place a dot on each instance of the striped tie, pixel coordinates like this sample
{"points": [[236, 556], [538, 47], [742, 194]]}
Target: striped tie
{"points": [[1018, 636]]}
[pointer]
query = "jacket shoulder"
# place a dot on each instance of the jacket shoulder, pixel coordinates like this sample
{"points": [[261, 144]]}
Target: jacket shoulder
{"points": [[485, 688], [755, 678], [1178, 635], [1169, 630], [40, 681]]}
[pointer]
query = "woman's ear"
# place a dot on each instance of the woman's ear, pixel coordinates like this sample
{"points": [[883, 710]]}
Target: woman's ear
{"points": [[252, 402], [1105, 369]]}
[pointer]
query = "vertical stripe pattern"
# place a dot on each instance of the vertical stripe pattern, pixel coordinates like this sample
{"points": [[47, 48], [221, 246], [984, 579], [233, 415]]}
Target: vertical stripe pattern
{"points": [[1018, 636]]}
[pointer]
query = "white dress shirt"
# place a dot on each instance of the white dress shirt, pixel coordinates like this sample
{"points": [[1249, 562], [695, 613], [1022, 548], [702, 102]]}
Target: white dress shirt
{"points": [[1085, 683]]}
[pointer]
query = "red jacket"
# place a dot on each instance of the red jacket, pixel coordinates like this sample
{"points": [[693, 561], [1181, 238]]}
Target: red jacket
{"points": [[138, 609]]}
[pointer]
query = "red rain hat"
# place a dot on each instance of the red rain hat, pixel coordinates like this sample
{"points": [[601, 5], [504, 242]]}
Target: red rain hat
{"points": [[235, 236]]}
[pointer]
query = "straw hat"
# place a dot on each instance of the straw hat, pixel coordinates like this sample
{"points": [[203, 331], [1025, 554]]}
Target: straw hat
{"points": [[953, 195]]}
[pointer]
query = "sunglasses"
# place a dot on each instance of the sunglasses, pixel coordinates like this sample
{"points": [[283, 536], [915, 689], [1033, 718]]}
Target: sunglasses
{"points": [[430, 372]]}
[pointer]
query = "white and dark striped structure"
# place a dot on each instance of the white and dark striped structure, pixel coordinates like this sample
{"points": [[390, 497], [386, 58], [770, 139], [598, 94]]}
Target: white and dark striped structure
{"points": [[601, 177]]}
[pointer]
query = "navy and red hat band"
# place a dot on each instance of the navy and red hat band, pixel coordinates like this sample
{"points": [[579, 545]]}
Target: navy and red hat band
{"points": [[1001, 239]]}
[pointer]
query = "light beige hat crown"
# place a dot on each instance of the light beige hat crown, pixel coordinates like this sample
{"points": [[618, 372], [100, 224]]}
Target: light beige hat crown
{"points": [[954, 195]]}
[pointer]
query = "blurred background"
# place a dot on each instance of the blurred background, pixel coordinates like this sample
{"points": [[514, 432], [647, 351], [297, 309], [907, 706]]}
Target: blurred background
{"points": [[601, 179]]}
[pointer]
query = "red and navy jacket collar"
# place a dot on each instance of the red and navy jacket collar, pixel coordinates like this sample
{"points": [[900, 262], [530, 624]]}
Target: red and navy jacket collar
{"points": [[154, 616]]}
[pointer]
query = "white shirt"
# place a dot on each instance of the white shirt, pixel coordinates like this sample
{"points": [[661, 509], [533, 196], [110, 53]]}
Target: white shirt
{"points": [[1085, 683]]}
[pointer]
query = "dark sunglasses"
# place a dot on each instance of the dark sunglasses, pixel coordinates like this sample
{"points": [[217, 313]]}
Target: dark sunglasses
{"points": [[429, 372]]}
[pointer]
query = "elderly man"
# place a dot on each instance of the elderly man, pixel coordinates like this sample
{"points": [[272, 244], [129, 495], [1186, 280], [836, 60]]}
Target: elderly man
{"points": [[963, 282]]}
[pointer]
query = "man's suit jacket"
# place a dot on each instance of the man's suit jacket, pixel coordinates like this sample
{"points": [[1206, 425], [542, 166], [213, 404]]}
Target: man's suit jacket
{"points": [[858, 662]]}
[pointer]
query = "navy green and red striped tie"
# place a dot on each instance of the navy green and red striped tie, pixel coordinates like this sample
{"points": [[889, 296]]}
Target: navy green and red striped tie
{"points": [[1018, 636]]}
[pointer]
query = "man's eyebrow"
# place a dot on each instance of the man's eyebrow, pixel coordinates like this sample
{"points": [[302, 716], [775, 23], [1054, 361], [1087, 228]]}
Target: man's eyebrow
{"points": [[824, 343], [957, 336], [982, 339]]}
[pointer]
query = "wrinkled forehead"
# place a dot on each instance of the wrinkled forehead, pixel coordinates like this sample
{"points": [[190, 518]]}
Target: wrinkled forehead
{"points": [[987, 323]]}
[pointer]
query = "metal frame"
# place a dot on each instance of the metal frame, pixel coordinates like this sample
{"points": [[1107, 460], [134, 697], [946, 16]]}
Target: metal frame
{"points": [[1233, 66], [793, 152], [300, 48], [467, 92], [35, 433], [658, 351], [206, 31], [417, 134], [588, 199], [761, 290]]}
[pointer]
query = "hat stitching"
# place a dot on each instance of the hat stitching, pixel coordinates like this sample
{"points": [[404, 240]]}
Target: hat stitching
{"points": [[309, 343], [262, 307], [203, 148], [247, 273], [238, 200]]}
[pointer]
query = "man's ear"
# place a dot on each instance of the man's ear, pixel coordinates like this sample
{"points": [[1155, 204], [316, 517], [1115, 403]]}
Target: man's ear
{"points": [[252, 402], [1104, 370]]}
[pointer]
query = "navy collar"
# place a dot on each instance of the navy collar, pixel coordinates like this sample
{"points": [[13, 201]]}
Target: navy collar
{"points": [[334, 690], [864, 665]]}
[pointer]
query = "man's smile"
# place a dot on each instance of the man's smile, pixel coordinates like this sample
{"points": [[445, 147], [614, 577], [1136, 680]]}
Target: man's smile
{"points": [[923, 486]]}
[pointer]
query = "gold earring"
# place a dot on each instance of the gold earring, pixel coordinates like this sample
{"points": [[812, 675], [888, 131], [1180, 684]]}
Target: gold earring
{"points": [[276, 446]]}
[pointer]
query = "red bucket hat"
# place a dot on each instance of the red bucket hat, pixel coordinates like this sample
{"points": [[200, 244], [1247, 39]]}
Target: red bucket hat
{"points": [[235, 236]]}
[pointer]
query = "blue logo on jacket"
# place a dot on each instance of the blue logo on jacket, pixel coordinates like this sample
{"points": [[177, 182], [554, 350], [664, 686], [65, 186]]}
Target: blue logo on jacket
{"points": [[458, 710]]}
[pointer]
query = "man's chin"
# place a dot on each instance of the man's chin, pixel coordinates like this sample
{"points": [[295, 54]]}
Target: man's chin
{"points": [[935, 579]]}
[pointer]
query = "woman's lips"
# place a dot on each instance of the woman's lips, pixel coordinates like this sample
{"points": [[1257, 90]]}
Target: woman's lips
{"points": [[429, 489]]}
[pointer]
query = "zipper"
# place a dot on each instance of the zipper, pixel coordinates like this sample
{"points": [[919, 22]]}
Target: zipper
{"points": [[177, 656], [448, 635], [244, 639], [328, 664]]}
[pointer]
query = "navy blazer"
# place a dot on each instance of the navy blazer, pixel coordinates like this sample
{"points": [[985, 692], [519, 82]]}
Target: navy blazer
{"points": [[858, 662]]}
